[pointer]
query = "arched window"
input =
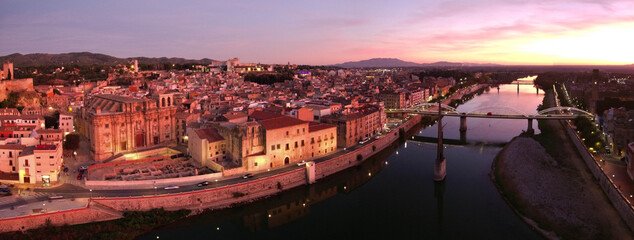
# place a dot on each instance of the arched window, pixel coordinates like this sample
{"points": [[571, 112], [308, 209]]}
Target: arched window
{"points": [[162, 102], [169, 102]]}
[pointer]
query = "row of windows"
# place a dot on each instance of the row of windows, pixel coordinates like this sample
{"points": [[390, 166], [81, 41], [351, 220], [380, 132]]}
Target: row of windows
{"points": [[303, 131]]}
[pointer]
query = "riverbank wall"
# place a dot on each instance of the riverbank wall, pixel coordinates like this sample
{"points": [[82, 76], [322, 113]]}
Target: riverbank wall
{"points": [[223, 197], [622, 205], [89, 213]]}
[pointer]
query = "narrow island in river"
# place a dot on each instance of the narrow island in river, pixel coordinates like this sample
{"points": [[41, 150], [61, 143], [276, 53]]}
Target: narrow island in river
{"points": [[546, 182]]}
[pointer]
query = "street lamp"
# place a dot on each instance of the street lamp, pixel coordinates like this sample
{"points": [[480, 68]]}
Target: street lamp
{"points": [[90, 193]]}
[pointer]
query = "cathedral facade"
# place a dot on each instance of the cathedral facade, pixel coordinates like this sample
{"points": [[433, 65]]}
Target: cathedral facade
{"points": [[118, 124]]}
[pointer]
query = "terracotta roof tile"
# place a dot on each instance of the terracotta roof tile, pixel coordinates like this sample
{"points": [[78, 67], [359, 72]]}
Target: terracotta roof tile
{"points": [[210, 134]]}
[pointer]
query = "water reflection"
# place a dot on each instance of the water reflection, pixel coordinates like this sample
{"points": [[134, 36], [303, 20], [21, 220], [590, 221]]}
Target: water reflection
{"points": [[391, 195]]}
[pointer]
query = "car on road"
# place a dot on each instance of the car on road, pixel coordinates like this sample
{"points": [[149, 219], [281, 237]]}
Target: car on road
{"points": [[248, 175], [55, 197], [80, 175], [302, 163], [171, 187], [201, 184], [489, 113], [364, 141]]}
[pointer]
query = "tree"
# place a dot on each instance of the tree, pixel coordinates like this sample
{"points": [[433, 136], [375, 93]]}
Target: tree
{"points": [[72, 142], [52, 121]]}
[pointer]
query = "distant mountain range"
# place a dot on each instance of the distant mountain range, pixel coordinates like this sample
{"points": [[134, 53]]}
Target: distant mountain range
{"points": [[395, 62], [87, 58]]}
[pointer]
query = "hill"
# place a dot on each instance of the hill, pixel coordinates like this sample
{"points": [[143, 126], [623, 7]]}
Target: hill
{"points": [[395, 62], [378, 62], [87, 58]]}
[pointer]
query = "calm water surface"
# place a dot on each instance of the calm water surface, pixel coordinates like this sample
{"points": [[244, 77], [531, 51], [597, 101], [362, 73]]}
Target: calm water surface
{"points": [[392, 195]]}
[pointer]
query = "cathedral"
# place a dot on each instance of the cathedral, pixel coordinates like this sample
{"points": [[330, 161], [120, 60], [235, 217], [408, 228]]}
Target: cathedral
{"points": [[117, 124]]}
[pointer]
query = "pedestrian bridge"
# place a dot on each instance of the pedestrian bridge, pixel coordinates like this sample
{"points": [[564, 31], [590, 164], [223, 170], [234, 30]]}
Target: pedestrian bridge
{"points": [[494, 112], [503, 112]]}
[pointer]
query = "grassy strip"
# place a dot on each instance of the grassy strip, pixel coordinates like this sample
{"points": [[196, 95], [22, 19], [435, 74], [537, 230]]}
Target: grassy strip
{"points": [[132, 225]]}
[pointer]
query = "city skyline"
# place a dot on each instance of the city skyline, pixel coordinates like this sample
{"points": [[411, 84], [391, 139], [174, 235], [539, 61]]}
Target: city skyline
{"points": [[483, 31]]}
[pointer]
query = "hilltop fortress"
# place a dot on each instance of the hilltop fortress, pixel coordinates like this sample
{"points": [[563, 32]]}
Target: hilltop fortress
{"points": [[9, 84]]}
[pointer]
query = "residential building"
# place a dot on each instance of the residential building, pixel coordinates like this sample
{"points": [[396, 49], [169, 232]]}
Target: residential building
{"points": [[351, 128]]}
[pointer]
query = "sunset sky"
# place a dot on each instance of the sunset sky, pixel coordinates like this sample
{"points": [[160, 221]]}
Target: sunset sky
{"points": [[327, 32]]}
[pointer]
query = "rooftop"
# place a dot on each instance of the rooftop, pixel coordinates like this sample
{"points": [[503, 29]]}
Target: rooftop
{"points": [[117, 98], [280, 122], [209, 134], [313, 126]]}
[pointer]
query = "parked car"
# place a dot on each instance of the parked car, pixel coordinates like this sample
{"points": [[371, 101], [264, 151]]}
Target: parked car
{"points": [[489, 113], [171, 187], [364, 141], [80, 175], [248, 175], [200, 184]]}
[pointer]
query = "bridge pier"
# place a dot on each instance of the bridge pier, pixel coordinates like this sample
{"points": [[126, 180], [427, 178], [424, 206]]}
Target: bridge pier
{"points": [[463, 123], [530, 126], [518, 88], [463, 136], [440, 171]]}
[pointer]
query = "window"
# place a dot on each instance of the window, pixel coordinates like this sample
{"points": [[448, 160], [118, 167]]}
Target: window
{"points": [[312, 140], [296, 146], [287, 147], [272, 147], [255, 164], [304, 130], [10, 162], [286, 133], [298, 131], [302, 143], [51, 157], [278, 146], [37, 157], [38, 164], [10, 154], [107, 125]]}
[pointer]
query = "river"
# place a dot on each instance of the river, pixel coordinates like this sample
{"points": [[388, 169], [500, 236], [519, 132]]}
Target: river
{"points": [[392, 195]]}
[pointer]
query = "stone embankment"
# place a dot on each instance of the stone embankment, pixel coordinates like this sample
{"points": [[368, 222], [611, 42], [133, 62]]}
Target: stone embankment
{"points": [[102, 209]]}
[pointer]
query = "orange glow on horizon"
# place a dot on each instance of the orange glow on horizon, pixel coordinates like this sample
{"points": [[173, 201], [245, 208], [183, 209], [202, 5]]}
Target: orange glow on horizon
{"points": [[601, 45]]}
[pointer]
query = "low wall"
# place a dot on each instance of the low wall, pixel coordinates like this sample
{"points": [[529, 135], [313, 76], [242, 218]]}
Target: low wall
{"points": [[70, 217], [620, 202], [146, 184], [331, 166], [120, 163], [210, 198], [226, 196]]}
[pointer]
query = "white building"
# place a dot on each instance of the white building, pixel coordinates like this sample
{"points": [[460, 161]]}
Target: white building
{"points": [[66, 123]]}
